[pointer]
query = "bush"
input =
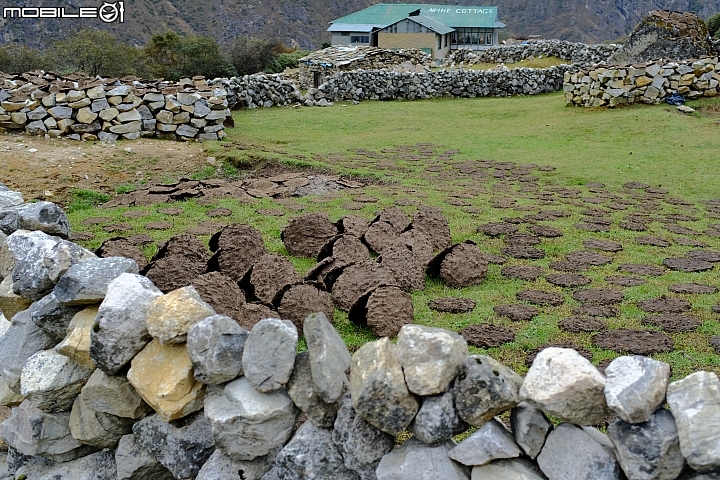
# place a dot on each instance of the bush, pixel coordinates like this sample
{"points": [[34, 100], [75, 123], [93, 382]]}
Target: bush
{"points": [[16, 58], [713, 25], [286, 60], [252, 55], [95, 52]]}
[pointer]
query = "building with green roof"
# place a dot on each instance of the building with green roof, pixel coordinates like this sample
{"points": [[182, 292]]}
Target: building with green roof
{"points": [[436, 29]]}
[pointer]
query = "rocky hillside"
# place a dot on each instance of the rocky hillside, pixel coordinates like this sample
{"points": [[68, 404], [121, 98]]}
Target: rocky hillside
{"points": [[303, 23]]}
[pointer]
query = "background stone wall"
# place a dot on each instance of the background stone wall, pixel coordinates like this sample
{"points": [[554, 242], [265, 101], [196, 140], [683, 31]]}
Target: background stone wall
{"points": [[649, 82], [574, 53], [384, 85]]}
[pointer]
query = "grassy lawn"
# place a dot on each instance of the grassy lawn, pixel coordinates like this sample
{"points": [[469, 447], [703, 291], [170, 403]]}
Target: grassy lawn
{"points": [[652, 144]]}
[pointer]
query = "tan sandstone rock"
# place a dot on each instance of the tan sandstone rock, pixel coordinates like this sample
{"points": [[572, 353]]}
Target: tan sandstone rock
{"points": [[10, 304], [170, 317], [163, 376], [76, 344]]}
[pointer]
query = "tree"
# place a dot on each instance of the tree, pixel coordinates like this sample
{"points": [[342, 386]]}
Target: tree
{"points": [[170, 56], [202, 56], [17, 58], [252, 55], [713, 25], [160, 55], [95, 52]]}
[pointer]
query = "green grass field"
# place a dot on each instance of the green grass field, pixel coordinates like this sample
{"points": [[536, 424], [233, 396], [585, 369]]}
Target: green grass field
{"points": [[652, 144]]}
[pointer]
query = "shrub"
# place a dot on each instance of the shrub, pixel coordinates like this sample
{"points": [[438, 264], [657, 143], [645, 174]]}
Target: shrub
{"points": [[286, 60], [713, 25]]}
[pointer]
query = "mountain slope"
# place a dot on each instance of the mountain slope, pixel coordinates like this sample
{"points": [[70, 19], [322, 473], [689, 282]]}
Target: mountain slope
{"points": [[303, 23]]}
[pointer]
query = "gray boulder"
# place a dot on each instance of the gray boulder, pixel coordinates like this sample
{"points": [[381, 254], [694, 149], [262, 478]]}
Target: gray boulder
{"points": [[22, 340], [635, 387], [269, 354], [311, 454], [120, 332], [247, 424], [437, 420], [135, 462], [431, 357], [648, 450], [486, 388], [51, 381], [42, 216], [40, 261], [304, 394], [95, 428], [215, 346], [96, 466], [220, 466], [378, 389], [530, 428], [182, 446], [695, 403], [87, 282], [491, 442], [31, 431], [52, 317], [562, 383], [572, 452], [508, 469], [113, 395], [416, 461], [361, 445], [329, 357], [10, 198]]}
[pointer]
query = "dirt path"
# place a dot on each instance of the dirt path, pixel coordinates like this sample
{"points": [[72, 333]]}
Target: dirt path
{"points": [[50, 169]]}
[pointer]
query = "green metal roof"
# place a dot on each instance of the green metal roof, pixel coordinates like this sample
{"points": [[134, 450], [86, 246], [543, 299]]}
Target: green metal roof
{"points": [[433, 25], [384, 14]]}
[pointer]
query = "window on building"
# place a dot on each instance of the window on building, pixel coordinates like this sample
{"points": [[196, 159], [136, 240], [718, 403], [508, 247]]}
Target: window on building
{"points": [[446, 37], [360, 39], [439, 39], [472, 36]]}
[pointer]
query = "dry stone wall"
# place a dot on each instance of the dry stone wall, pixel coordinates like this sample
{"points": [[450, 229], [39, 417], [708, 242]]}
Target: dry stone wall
{"points": [[649, 82], [111, 378], [76, 107], [574, 53], [385, 85]]}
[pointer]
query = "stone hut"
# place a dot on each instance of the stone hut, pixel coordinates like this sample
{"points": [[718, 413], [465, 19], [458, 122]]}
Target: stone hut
{"points": [[314, 68]]}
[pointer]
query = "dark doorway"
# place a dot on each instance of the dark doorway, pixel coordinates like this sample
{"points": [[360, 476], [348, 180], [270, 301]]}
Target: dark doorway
{"points": [[316, 79]]}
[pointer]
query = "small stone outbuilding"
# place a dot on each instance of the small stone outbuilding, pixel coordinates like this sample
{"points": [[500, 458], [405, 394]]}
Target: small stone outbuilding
{"points": [[314, 68]]}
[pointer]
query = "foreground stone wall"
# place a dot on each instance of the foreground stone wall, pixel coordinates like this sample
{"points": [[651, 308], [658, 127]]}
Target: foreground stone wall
{"points": [[574, 53], [649, 82], [75, 107], [110, 378]]}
